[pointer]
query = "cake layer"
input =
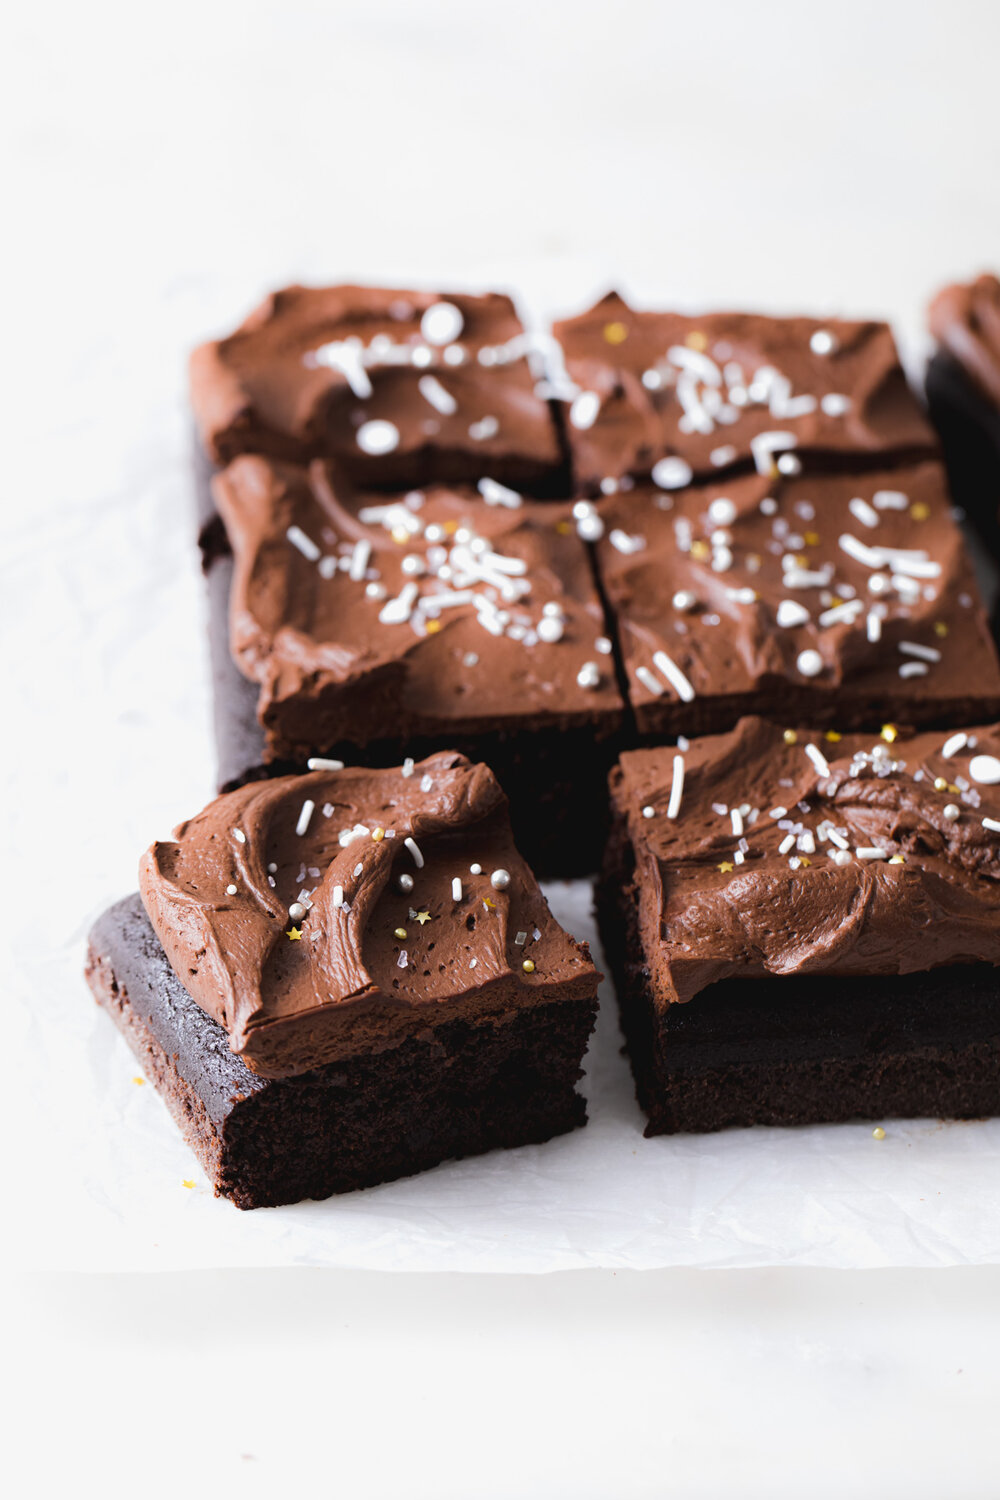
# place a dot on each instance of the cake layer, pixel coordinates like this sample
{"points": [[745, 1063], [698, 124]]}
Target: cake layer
{"points": [[460, 1089]]}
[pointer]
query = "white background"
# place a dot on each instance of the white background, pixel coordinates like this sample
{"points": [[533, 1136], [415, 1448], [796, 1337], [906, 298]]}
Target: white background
{"points": [[171, 164]]}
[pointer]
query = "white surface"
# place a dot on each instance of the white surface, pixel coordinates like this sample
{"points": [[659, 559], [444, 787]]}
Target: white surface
{"points": [[170, 167]]}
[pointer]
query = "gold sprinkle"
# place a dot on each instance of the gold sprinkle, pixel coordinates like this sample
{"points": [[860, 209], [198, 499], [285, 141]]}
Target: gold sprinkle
{"points": [[790, 737], [433, 626], [528, 966], [700, 549], [898, 859], [450, 527], [138, 1080], [835, 601], [400, 535], [563, 528], [423, 916], [726, 868], [187, 1182], [940, 785], [804, 862], [378, 834], [832, 737], [878, 1133], [615, 333], [811, 538], [697, 340], [919, 510], [940, 629], [890, 733], [293, 934], [400, 933], [491, 905]]}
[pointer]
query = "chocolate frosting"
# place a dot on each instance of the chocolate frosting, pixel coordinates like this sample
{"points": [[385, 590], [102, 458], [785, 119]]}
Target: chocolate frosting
{"points": [[851, 587], [434, 612], [790, 852], [726, 390], [965, 320], [368, 855], [383, 380]]}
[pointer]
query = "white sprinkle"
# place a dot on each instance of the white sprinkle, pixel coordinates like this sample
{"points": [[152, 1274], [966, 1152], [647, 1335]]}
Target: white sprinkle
{"points": [[481, 431], [418, 858], [913, 669], [765, 445], [791, 613], [456, 889], [991, 824], [676, 787], [925, 653], [722, 456], [359, 559], [954, 745], [304, 815], [835, 405], [863, 512], [338, 895], [777, 812], [305, 544], [402, 960], [824, 342], [985, 769], [874, 625], [809, 663], [318, 763], [239, 835], [603, 645], [952, 811], [622, 542], [836, 838], [672, 672], [671, 473], [589, 675], [649, 682], [722, 511], [358, 869], [846, 612], [498, 494], [377, 437], [684, 600], [500, 880], [869, 557], [787, 843], [736, 818], [818, 759], [890, 500], [230, 890], [585, 410], [435, 394], [475, 869], [649, 812], [871, 853], [407, 767], [738, 857], [840, 856], [520, 939], [441, 323], [397, 611]]}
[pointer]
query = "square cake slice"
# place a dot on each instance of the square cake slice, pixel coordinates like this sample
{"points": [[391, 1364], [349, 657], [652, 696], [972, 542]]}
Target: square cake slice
{"points": [[400, 387], [963, 393], [832, 599], [377, 627], [806, 927], [689, 397], [346, 977]]}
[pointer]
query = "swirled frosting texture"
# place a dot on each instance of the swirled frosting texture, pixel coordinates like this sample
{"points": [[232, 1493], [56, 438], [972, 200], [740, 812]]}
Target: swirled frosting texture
{"points": [[712, 391], [851, 856], [965, 320], [386, 944], [428, 613], [820, 592], [399, 386]]}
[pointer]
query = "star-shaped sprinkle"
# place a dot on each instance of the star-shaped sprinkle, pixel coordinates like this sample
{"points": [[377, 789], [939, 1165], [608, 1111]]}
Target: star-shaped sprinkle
{"points": [[422, 917], [727, 867], [187, 1182], [889, 733], [138, 1080], [293, 934]]}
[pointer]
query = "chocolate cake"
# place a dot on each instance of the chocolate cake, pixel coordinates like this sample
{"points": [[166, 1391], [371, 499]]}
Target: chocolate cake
{"points": [[399, 387], [378, 626], [963, 393], [833, 599], [345, 977], [691, 397], [806, 927]]}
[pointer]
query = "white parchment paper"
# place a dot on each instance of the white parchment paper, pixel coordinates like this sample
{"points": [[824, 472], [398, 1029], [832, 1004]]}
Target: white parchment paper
{"points": [[107, 698]]}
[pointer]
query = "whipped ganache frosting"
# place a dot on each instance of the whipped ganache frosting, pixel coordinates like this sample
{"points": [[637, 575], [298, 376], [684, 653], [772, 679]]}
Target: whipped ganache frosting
{"points": [[965, 320], [321, 916], [770, 851], [692, 396], [843, 591], [433, 611], [399, 386]]}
